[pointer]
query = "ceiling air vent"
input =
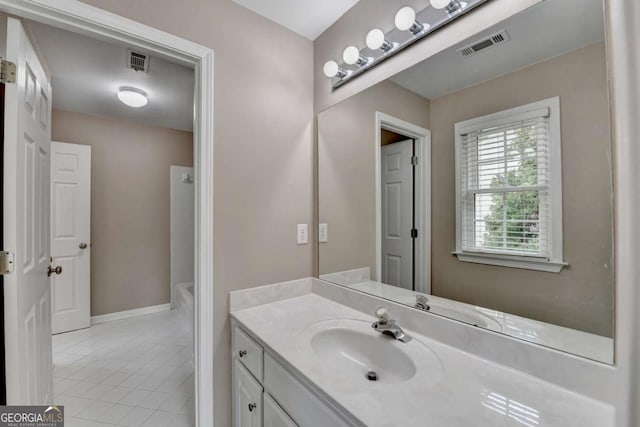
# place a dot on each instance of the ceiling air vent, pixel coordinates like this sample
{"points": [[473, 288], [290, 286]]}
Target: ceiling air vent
{"points": [[138, 61], [485, 43]]}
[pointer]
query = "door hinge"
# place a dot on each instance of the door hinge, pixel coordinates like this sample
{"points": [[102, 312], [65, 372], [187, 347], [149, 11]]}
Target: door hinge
{"points": [[7, 71], [414, 160], [414, 233], [7, 262]]}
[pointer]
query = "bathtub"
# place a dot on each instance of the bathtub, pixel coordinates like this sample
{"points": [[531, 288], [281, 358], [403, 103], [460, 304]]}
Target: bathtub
{"points": [[184, 307]]}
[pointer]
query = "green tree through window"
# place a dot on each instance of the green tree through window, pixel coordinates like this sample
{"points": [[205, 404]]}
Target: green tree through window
{"points": [[514, 219]]}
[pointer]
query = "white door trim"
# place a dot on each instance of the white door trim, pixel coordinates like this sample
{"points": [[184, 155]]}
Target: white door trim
{"points": [[423, 195], [94, 22]]}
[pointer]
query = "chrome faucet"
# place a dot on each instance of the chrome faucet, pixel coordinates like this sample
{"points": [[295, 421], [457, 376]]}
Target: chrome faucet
{"points": [[387, 326], [422, 303]]}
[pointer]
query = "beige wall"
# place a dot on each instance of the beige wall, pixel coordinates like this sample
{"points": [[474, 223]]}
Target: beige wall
{"points": [[346, 155], [129, 205], [263, 150], [581, 296]]}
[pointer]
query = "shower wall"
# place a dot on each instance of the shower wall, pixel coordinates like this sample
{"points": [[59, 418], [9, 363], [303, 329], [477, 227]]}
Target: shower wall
{"points": [[182, 231]]}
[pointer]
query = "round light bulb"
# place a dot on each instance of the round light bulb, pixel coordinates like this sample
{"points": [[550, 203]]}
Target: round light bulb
{"points": [[331, 69], [440, 4], [351, 55], [375, 39], [131, 97], [405, 18]]}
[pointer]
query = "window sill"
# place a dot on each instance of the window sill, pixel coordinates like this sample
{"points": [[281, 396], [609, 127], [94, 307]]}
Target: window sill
{"points": [[511, 261]]}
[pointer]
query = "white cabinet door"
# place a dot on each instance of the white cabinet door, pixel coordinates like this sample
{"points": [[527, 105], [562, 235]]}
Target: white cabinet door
{"points": [[27, 304], [304, 406], [70, 235], [274, 415], [247, 398]]}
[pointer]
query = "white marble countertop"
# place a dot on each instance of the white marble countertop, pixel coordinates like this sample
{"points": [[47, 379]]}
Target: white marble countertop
{"points": [[472, 391]]}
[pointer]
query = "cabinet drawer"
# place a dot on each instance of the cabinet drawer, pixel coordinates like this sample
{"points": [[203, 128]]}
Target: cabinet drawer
{"points": [[274, 415], [248, 351], [306, 409]]}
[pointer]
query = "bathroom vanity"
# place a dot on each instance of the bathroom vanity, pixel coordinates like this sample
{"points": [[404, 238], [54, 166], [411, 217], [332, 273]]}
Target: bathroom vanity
{"points": [[303, 353]]}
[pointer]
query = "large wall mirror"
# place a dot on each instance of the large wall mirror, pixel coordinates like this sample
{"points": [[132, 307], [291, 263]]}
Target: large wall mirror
{"points": [[477, 184]]}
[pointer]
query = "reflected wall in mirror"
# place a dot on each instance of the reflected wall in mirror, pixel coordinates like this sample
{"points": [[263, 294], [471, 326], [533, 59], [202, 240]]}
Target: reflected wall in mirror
{"points": [[481, 178]]}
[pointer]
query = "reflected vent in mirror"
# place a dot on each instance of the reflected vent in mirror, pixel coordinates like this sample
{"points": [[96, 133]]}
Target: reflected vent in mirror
{"points": [[484, 43], [138, 61]]}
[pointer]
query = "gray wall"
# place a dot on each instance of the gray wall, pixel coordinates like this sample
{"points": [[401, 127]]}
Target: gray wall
{"points": [[263, 150], [129, 205]]}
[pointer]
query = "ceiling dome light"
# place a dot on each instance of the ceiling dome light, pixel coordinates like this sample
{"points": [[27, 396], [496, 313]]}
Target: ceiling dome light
{"points": [[332, 69], [375, 40], [406, 20], [132, 97]]}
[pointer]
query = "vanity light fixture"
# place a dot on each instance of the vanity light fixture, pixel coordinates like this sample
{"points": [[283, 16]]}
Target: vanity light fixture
{"points": [[332, 69], [406, 21], [451, 6], [351, 56], [376, 40], [410, 26], [132, 97]]}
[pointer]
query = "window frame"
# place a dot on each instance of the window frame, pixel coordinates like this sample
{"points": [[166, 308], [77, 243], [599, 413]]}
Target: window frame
{"points": [[554, 263]]}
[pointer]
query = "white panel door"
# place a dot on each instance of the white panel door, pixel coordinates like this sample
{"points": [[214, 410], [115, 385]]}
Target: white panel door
{"points": [[70, 236], [27, 135], [397, 214], [247, 398]]}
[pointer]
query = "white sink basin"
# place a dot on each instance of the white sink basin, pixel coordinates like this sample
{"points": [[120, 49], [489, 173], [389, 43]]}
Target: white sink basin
{"points": [[351, 349]]}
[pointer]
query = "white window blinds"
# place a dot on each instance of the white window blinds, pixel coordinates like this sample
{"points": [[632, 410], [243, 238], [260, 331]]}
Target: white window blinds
{"points": [[505, 187]]}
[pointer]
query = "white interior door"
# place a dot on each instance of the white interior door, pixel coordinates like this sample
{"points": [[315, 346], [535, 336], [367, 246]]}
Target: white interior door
{"points": [[397, 214], [27, 304], [70, 236]]}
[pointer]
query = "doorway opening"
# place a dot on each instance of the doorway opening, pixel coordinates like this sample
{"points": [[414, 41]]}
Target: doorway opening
{"points": [[403, 204], [93, 22], [112, 198]]}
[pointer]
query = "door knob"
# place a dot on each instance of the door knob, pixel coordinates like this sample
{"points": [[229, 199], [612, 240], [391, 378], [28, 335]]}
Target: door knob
{"points": [[51, 270], [82, 245]]}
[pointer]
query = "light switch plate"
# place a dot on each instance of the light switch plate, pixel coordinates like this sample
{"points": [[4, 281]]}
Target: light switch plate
{"points": [[323, 233], [303, 234]]}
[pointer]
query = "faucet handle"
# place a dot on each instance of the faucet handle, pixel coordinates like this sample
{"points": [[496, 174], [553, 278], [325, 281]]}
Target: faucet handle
{"points": [[383, 315], [422, 302]]}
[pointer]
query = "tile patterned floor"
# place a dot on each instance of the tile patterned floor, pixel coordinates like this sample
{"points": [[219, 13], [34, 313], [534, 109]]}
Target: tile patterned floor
{"points": [[134, 372]]}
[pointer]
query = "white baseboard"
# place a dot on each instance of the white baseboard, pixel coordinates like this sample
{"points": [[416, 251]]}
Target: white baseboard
{"points": [[103, 318]]}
